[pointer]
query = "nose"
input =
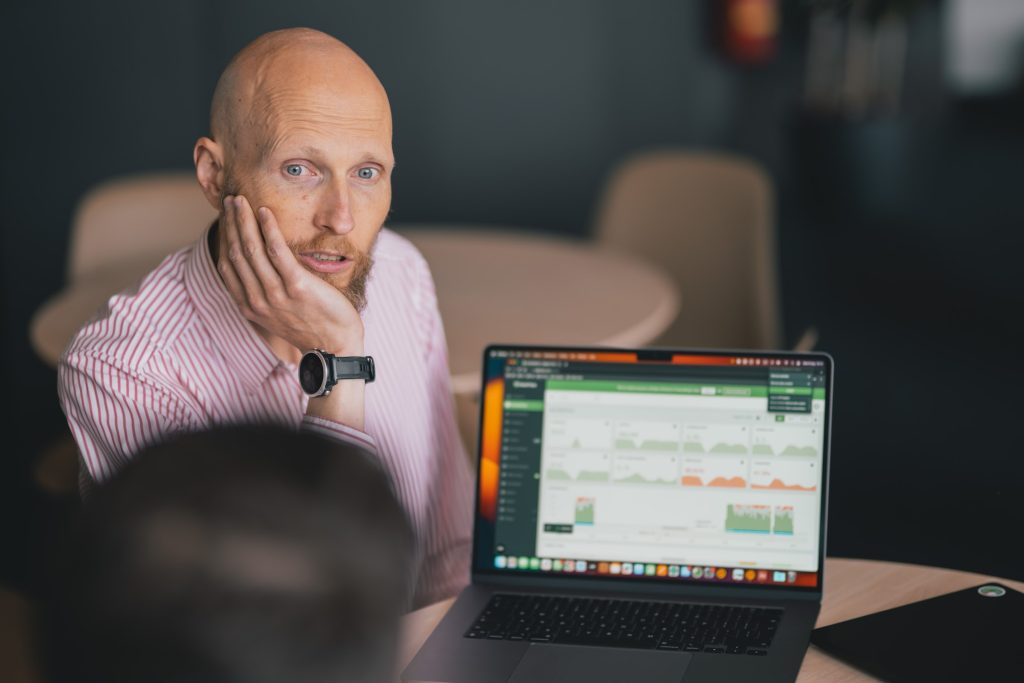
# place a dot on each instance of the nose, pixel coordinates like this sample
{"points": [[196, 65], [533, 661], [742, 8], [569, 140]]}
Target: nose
{"points": [[334, 211]]}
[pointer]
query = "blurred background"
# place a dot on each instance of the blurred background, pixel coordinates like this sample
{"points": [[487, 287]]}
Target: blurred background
{"points": [[893, 134]]}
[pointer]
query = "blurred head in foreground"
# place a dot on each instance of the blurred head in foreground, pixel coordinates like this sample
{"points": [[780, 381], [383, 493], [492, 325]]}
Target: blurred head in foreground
{"points": [[243, 555]]}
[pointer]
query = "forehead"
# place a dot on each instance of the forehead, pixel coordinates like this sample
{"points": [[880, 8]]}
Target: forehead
{"points": [[333, 121]]}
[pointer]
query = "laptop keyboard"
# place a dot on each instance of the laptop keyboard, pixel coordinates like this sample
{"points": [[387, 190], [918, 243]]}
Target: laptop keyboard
{"points": [[718, 629]]}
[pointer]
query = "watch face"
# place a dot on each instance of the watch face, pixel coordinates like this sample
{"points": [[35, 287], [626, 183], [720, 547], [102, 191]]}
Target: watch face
{"points": [[312, 373]]}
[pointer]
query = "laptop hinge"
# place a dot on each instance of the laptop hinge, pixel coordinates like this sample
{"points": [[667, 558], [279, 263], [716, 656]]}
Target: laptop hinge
{"points": [[619, 587]]}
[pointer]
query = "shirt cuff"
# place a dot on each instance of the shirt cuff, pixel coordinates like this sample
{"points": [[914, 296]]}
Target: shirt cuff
{"points": [[340, 432]]}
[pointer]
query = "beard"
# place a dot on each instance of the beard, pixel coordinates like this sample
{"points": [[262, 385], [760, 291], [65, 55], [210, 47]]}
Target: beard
{"points": [[362, 262]]}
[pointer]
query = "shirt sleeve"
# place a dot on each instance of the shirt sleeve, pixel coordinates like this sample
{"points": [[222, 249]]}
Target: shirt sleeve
{"points": [[113, 412], [448, 534], [340, 432]]}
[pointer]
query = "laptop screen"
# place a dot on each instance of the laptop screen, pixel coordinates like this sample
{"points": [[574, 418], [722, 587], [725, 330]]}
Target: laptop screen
{"points": [[653, 465]]}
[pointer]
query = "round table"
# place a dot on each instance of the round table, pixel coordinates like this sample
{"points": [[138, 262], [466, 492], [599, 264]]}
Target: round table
{"points": [[853, 588], [492, 286], [514, 287]]}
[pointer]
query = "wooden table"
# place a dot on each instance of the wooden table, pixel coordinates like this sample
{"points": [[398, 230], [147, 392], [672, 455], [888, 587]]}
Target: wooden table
{"points": [[492, 286], [523, 288], [853, 588]]}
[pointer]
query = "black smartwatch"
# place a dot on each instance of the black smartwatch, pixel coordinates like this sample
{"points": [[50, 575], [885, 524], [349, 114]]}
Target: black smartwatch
{"points": [[319, 371]]}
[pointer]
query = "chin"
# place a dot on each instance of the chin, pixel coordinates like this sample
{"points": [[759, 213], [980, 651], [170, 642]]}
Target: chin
{"points": [[336, 280], [342, 283]]}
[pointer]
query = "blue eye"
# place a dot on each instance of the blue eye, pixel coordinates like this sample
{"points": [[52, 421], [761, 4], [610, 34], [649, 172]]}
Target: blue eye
{"points": [[294, 169], [367, 173]]}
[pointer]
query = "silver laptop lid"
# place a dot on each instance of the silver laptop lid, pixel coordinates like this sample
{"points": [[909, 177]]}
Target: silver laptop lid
{"points": [[653, 466]]}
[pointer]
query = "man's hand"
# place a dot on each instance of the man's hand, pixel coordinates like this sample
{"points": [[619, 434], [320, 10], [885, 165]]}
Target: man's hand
{"points": [[276, 292]]}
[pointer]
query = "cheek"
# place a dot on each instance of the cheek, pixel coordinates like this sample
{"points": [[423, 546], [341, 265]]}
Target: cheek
{"points": [[294, 218], [374, 206], [371, 210], [293, 208]]}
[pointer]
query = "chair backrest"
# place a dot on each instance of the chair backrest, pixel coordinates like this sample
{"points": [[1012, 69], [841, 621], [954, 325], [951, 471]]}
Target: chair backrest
{"points": [[17, 649], [136, 217], [708, 220]]}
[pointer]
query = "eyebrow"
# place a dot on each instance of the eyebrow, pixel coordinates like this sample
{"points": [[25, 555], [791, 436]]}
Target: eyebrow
{"points": [[314, 152]]}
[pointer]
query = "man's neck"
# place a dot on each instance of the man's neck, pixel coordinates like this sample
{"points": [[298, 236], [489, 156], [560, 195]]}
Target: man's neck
{"points": [[280, 348]]}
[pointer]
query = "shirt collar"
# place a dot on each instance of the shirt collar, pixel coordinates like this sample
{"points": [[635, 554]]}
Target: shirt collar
{"points": [[243, 350]]}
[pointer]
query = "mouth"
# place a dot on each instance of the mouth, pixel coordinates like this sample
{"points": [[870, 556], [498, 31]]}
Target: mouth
{"points": [[325, 261]]}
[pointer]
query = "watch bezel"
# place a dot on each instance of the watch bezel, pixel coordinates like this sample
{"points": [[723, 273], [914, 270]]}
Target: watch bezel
{"points": [[323, 389]]}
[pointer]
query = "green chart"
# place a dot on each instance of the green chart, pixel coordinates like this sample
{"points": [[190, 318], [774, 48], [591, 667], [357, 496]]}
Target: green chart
{"points": [[584, 511], [783, 523], [555, 474], [764, 449], [724, 448], [639, 479], [748, 519], [648, 445]]}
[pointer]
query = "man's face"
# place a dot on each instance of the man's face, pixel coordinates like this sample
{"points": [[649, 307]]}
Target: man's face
{"points": [[321, 161]]}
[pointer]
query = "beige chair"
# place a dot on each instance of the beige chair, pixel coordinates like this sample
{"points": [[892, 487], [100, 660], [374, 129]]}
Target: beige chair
{"points": [[709, 220], [17, 659], [121, 230], [136, 217]]}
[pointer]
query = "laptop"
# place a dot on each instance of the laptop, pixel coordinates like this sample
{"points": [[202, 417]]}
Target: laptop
{"points": [[642, 515]]}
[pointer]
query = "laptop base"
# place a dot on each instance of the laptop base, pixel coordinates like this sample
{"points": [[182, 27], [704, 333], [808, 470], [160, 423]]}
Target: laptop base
{"points": [[545, 663], [448, 656]]}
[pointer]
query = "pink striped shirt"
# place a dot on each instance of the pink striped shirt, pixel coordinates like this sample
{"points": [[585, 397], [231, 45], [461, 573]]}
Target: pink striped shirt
{"points": [[175, 354]]}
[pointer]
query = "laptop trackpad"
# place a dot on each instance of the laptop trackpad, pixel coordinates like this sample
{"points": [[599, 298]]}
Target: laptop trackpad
{"points": [[560, 663]]}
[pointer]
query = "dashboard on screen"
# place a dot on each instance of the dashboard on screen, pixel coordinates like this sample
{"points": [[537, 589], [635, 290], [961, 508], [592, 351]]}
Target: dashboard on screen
{"points": [[676, 467]]}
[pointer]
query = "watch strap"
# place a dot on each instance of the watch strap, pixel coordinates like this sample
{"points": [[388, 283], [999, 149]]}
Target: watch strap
{"points": [[353, 367]]}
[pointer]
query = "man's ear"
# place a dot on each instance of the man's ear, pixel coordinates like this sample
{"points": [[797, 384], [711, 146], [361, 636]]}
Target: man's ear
{"points": [[208, 157]]}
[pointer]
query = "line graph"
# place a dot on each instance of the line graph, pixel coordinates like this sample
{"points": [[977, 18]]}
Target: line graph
{"points": [[714, 471], [646, 435], [786, 441], [785, 475], [570, 465], [642, 468], [725, 439], [578, 433]]}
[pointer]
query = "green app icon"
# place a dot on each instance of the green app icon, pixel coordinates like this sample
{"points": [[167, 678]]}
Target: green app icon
{"points": [[534, 563]]}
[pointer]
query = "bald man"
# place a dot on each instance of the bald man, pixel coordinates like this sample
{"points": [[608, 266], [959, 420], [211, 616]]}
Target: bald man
{"points": [[296, 274]]}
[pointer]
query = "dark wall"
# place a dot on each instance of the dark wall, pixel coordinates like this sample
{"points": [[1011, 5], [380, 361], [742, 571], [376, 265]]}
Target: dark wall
{"points": [[89, 91], [513, 114]]}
